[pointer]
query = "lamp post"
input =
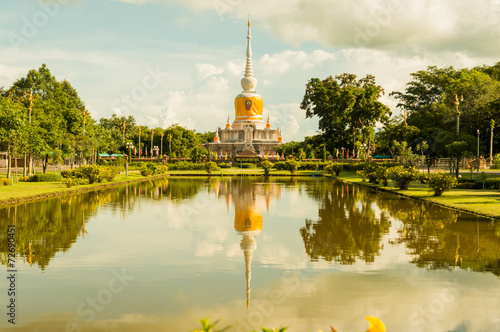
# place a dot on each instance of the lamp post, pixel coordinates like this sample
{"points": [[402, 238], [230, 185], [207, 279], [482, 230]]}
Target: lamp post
{"points": [[130, 146], [152, 135], [363, 147], [477, 177], [161, 144], [140, 130], [169, 147], [457, 103]]}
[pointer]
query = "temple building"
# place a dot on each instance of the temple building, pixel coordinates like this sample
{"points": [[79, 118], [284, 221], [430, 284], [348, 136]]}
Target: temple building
{"points": [[248, 134]]}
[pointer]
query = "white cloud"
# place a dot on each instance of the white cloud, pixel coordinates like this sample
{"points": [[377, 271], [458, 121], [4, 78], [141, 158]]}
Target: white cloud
{"points": [[204, 70]]}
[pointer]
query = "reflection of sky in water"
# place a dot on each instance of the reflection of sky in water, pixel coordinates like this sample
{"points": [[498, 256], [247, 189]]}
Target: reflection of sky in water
{"points": [[186, 261]]}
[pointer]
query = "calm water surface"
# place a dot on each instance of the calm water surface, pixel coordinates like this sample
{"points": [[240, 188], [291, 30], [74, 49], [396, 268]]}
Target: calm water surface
{"points": [[158, 256]]}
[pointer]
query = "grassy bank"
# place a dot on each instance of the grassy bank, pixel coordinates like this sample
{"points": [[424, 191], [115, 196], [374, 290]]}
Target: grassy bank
{"points": [[29, 191], [484, 202]]}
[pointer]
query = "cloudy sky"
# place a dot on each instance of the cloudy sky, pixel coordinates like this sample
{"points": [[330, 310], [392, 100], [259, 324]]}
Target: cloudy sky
{"points": [[180, 61]]}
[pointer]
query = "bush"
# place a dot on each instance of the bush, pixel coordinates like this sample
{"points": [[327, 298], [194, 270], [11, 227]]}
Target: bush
{"points": [[224, 165], [496, 161], [70, 173], [291, 165], [185, 166], [362, 174], [440, 182], [266, 166], [402, 176], [334, 168], [93, 173], [69, 182], [160, 169], [5, 182], [248, 165], [210, 167], [280, 166], [24, 179], [47, 177], [311, 165], [146, 170], [109, 173]]}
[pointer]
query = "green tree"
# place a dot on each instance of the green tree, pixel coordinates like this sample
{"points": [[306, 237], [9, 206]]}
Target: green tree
{"points": [[13, 128], [345, 107]]}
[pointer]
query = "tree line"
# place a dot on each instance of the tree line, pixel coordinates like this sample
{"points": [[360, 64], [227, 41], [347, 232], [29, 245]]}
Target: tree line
{"points": [[44, 119], [443, 110]]}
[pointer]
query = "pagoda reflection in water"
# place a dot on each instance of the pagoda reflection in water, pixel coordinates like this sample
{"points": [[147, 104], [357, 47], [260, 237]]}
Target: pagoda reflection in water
{"points": [[249, 199]]}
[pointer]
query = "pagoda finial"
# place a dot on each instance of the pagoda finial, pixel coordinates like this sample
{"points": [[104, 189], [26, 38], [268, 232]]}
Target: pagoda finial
{"points": [[249, 82], [268, 122]]}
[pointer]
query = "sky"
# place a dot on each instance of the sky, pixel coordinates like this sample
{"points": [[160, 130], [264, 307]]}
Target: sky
{"points": [[180, 61]]}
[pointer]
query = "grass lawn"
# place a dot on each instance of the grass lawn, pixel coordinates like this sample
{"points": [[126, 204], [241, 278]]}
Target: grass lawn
{"points": [[39, 189], [482, 201]]}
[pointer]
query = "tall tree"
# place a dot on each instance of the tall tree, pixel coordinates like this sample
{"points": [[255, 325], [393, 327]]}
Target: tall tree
{"points": [[345, 107]]}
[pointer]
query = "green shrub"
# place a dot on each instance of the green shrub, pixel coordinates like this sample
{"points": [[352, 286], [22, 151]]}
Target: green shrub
{"points": [[210, 167], [5, 182], [93, 173], [24, 179], [496, 161], [334, 168], [440, 182], [280, 166], [71, 173], [266, 166], [69, 182], [224, 165], [109, 173], [402, 176], [160, 169], [146, 171], [185, 166], [47, 177], [291, 165], [362, 174], [248, 165]]}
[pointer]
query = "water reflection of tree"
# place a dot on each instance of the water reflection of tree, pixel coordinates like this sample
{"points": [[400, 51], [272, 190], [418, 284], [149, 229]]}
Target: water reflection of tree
{"points": [[349, 226], [440, 238], [54, 225]]}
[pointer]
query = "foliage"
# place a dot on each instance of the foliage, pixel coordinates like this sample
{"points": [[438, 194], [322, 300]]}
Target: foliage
{"points": [[280, 166], [402, 176], [93, 173], [248, 165], [440, 182], [185, 165], [333, 168], [496, 161], [345, 107], [48, 177], [291, 165], [70, 182], [224, 165], [266, 166], [210, 167], [161, 169], [312, 165], [5, 182], [207, 327]]}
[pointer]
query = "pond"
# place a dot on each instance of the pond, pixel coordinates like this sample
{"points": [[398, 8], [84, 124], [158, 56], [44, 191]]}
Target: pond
{"points": [[305, 253]]}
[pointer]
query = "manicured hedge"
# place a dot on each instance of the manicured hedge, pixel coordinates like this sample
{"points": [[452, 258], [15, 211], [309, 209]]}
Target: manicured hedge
{"points": [[47, 177]]}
